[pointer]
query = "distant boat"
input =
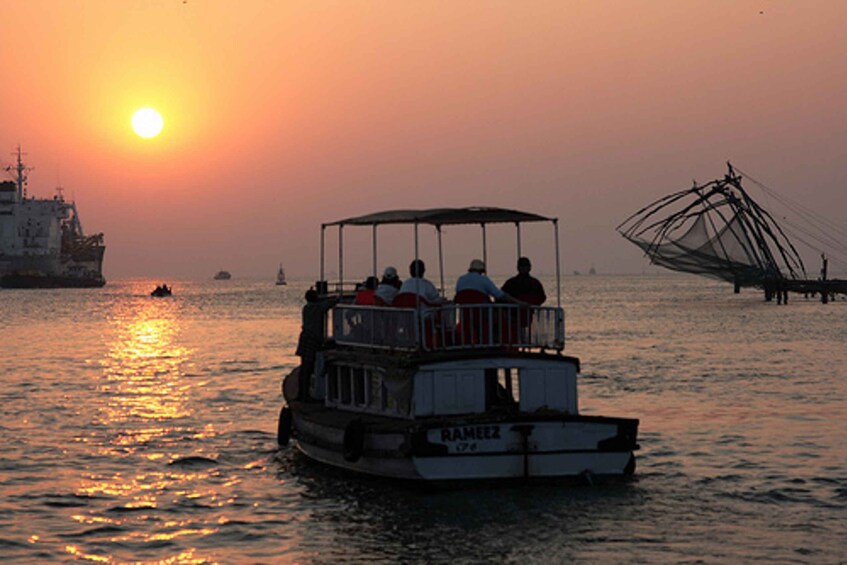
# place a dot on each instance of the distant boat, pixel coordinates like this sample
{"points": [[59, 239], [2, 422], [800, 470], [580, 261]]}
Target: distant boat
{"points": [[592, 270], [161, 291], [280, 275], [223, 276]]}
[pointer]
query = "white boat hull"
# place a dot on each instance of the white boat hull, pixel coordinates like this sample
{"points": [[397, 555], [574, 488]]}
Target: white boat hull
{"points": [[568, 447]]}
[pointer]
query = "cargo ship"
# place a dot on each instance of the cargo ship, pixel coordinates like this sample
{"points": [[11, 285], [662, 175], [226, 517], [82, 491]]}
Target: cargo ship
{"points": [[42, 244]]}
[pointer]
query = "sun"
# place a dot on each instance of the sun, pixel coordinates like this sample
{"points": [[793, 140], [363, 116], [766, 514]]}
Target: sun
{"points": [[147, 122]]}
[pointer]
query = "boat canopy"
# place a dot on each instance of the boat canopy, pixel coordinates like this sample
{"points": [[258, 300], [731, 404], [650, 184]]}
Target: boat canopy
{"points": [[443, 217], [435, 217]]}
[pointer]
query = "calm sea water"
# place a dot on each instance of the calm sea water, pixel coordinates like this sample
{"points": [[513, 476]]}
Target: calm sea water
{"points": [[143, 430]]}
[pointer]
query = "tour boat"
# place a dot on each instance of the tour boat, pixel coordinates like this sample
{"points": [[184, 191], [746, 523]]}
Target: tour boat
{"points": [[460, 390], [222, 276]]}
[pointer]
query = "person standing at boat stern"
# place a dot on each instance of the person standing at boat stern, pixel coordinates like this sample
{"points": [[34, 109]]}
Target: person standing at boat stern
{"points": [[311, 337], [524, 286]]}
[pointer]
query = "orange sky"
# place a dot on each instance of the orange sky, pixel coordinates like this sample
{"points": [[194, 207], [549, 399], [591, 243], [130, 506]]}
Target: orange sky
{"points": [[280, 115]]}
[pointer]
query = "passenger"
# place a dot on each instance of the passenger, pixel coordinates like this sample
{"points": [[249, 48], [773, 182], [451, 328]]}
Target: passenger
{"points": [[524, 286], [311, 337], [388, 287], [476, 280], [418, 285], [365, 295]]}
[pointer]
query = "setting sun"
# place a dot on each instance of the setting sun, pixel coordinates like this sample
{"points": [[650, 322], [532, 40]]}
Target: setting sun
{"points": [[147, 122]]}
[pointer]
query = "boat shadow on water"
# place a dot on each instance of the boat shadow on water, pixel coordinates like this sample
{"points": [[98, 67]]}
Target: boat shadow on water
{"points": [[417, 520]]}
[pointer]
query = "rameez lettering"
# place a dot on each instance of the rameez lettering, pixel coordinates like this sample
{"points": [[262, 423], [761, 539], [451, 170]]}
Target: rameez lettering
{"points": [[470, 433]]}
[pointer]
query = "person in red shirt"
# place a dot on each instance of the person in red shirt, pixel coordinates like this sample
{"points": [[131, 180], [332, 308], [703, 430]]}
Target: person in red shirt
{"points": [[365, 295]]}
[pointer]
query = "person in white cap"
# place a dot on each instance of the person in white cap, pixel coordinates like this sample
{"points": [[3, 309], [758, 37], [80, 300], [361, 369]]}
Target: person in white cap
{"points": [[476, 279], [388, 287]]}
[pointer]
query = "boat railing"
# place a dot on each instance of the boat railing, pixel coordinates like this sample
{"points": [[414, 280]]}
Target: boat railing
{"points": [[450, 327]]}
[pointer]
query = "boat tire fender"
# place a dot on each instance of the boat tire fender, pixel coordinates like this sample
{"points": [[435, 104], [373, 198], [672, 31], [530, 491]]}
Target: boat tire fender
{"points": [[354, 440], [283, 434]]}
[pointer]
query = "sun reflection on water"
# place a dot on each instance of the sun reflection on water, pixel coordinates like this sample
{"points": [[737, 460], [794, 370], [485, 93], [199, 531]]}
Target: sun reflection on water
{"points": [[145, 415], [145, 370]]}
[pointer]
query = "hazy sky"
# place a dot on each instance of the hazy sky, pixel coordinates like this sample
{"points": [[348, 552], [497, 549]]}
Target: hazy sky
{"points": [[282, 115]]}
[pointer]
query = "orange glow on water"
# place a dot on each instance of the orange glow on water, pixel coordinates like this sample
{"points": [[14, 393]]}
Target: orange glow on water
{"points": [[145, 370]]}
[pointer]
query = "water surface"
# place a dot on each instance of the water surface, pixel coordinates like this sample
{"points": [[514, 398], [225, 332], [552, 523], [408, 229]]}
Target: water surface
{"points": [[140, 429]]}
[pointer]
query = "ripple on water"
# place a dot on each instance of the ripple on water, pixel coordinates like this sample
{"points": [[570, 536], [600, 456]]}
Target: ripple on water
{"points": [[193, 462]]}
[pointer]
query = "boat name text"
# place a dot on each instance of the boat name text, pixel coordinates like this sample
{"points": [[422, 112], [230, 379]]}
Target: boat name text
{"points": [[470, 433]]}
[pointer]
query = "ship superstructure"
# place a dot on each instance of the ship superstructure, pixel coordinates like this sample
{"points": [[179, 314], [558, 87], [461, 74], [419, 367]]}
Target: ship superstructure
{"points": [[42, 243]]}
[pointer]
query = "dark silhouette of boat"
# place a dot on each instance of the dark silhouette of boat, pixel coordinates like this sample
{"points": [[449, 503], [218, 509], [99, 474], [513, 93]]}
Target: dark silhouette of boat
{"points": [[161, 291]]}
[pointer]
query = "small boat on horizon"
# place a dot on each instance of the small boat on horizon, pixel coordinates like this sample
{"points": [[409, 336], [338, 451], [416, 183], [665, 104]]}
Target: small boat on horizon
{"points": [[222, 276], [162, 291], [280, 276]]}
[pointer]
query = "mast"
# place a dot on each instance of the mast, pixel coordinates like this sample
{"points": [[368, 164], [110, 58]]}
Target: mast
{"points": [[20, 171], [21, 180]]}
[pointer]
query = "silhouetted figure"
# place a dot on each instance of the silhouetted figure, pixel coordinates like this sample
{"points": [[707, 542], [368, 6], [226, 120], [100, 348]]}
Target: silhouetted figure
{"points": [[524, 286], [477, 281], [417, 284], [311, 339], [388, 287], [365, 295], [161, 290]]}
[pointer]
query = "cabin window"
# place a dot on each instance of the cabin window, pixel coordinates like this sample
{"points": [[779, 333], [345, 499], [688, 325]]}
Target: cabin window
{"points": [[510, 379], [502, 387], [377, 391], [362, 389], [346, 386], [332, 378], [359, 390]]}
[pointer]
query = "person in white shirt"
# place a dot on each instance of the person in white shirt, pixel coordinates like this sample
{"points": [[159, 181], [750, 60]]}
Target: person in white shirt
{"points": [[476, 279], [417, 284]]}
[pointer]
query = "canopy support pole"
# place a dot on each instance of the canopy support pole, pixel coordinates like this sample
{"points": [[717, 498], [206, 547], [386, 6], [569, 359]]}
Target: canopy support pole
{"points": [[323, 238], [518, 229], [373, 237], [440, 260], [558, 267], [417, 285], [484, 247], [341, 260]]}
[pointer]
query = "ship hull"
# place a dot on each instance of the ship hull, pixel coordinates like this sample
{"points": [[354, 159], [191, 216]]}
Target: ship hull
{"points": [[79, 268], [46, 281]]}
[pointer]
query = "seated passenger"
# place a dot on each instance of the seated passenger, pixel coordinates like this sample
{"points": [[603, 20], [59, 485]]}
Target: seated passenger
{"points": [[387, 288], [365, 295], [418, 286], [476, 280], [524, 286]]}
